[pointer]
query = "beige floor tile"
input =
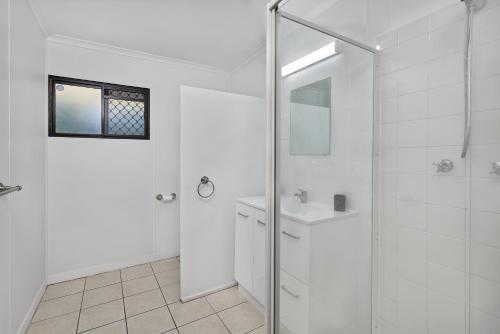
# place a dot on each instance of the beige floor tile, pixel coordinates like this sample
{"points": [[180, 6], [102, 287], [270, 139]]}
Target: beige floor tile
{"points": [[260, 330], [104, 279], [208, 325], [64, 289], [225, 299], [152, 322], [101, 315], [168, 277], [143, 302], [173, 331], [134, 272], [165, 265], [184, 313], [59, 306], [139, 285], [171, 292], [60, 325], [242, 318], [118, 327], [102, 295]]}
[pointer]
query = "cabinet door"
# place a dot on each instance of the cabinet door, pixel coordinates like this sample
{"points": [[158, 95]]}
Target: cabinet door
{"points": [[243, 255], [259, 256]]}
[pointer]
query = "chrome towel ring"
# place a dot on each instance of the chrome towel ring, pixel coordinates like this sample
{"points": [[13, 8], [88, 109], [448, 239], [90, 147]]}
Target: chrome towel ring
{"points": [[205, 180]]}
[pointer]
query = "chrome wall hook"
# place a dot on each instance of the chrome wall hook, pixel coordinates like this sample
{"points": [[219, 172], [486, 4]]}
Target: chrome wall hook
{"points": [[444, 166]]}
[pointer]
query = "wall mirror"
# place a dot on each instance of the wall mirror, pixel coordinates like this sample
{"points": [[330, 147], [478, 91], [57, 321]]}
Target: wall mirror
{"points": [[310, 114]]}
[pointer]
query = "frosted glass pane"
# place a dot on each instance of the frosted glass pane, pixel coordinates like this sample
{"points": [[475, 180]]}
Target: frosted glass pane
{"points": [[78, 109]]}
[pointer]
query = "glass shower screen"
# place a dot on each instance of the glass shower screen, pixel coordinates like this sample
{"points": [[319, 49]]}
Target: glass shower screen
{"points": [[324, 142]]}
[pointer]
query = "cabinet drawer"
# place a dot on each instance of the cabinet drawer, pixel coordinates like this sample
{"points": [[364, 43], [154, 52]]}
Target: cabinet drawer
{"points": [[295, 249], [294, 304]]}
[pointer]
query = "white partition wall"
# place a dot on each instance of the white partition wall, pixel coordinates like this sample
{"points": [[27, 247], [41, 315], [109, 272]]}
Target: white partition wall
{"points": [[223, 136]]}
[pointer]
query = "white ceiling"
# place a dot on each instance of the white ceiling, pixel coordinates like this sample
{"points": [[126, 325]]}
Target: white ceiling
{"points": [[219, 33]]}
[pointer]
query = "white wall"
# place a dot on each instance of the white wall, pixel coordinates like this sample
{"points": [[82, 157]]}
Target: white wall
{"points": [[440, 233], [102, 208], [22, 150], [223, 136], [249, 78]]}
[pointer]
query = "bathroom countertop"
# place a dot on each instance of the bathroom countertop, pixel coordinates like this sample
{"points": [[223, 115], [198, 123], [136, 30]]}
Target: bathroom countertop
{"points": [[307, 213]]}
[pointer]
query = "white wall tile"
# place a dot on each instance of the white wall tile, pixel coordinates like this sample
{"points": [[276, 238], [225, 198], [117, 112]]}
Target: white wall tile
{"points": [[446, 251], [483, 323], [446, 280], [412, 79], [485, 228], [446, 100], [485, 295], [486, 125], [485, 93], [389, 110], [388, 40], [446, 220], [415, 29], [413, 52], [446, 70], [445, 131], [448, 39], [485, 262], [487, 25], [412, 187], [485, 195], [447, 15], [412, 133], [445, 315], [412, 160], [412, 214], [388, 185], [389, 159], [412, 106], [446, 190], [389, 134], [389, 310], [412, 308], [389, 85], [412, 242], [486, 59]]}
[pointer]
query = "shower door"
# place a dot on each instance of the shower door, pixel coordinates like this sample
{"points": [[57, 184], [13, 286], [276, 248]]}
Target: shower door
{"points": [[323, 143]]}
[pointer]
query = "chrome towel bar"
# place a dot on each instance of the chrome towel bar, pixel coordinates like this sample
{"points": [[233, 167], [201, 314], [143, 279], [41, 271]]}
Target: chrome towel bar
{"points": [[4, 190]]}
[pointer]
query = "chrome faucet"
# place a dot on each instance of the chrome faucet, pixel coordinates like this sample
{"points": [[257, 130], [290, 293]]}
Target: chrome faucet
{"points": [[302, 195]]}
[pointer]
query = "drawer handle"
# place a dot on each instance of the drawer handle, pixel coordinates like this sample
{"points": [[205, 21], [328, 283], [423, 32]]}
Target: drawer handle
{"points": [[261, 222], [284, 288], [290, 235], [242, 214]]}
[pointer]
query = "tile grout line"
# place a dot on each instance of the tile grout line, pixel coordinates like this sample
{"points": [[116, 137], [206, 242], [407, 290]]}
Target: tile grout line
{"points": [[81, 304], [164, 299], [123, 302]]}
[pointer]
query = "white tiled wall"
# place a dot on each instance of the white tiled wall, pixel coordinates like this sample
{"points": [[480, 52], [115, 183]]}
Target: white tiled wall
{"points": [[439, 233]]}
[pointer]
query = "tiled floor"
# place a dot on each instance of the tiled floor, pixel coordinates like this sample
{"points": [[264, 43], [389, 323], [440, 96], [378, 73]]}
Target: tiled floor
{"points": [[141, 300]]}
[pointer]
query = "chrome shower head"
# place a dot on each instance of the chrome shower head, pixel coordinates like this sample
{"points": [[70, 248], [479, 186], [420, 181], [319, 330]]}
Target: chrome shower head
{"points": [[475, 4]]}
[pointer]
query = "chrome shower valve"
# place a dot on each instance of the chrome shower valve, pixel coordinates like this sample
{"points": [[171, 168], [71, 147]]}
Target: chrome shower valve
{"points": [[444, 165], [495, 168]]}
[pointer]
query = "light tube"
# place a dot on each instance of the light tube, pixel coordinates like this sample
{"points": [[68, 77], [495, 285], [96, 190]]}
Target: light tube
{"points": [[312, 58]]}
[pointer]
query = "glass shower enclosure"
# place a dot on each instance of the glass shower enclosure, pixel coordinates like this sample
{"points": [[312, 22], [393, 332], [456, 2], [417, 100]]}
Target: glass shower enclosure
{"points": [[320, 178]]}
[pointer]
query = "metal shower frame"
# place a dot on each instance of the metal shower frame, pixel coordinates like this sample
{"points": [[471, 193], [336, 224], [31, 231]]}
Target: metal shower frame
{"points": [[273, 161]]}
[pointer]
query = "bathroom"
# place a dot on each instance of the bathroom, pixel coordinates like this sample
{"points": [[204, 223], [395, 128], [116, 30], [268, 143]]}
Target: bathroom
{"points": [[250, 166]]}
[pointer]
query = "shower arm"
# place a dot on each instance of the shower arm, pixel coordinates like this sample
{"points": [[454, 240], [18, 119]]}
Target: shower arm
{"points": [[467, 77]]}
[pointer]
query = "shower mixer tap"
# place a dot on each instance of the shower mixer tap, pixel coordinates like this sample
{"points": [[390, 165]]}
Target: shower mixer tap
{"points": [[444, 165], [495, 168]]}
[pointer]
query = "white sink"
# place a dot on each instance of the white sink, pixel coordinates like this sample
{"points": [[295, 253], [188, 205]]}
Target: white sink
{"points": [[306, 213]]}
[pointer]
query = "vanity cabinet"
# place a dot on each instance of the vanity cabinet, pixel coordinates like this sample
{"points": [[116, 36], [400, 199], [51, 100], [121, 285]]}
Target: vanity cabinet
{"points": [[325, 265]]}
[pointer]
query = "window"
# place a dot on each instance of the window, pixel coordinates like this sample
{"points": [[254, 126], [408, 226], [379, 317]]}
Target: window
{"points": [[82, 108]]}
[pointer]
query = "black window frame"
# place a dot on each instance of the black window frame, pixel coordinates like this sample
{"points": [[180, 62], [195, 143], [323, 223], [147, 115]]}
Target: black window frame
{"points": [[53, 80]]}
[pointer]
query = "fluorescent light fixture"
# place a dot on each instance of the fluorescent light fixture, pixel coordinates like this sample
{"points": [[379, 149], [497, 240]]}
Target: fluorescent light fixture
{"points": [[312, 58]]}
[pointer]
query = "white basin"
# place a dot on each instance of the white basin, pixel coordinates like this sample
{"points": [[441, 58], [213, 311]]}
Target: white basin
{"points": [[306, 213]]}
